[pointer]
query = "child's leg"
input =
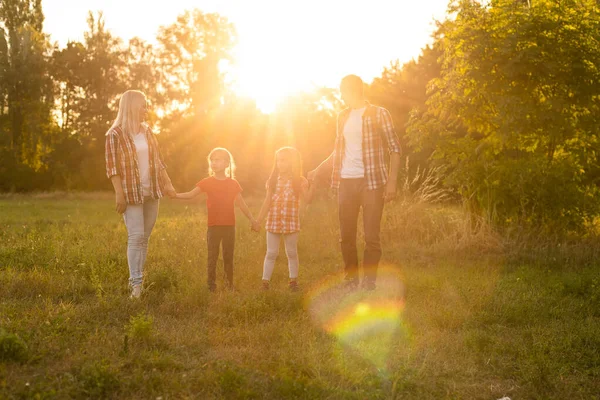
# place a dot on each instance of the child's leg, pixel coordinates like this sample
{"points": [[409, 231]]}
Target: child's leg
{"points": [[291, 250], [228, 247], [272, 252], [213, 242]]}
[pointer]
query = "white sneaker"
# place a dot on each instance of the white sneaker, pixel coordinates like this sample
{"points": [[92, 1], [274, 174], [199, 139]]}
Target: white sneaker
{"points": [[136, 292]]}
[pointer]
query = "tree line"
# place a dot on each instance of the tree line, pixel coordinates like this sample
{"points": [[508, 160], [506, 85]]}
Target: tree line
{"points": [[504, 103]]}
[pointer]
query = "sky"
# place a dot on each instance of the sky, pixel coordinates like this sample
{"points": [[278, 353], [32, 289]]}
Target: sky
{"points": [[284, 45]]}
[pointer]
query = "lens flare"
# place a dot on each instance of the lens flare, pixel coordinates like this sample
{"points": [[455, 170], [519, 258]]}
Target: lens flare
{"points": [[368, 322]]}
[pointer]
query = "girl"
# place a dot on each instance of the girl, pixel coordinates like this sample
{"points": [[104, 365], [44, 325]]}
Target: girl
{"points": [[223, 193], [285, 188], [137, 172]]}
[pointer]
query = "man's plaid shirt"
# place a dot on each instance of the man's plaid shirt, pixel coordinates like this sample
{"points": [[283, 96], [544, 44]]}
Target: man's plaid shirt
{"points": [[377, 133]]}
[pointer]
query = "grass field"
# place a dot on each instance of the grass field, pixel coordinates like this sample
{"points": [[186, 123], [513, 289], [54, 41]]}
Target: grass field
{"points": [[453, 316]]}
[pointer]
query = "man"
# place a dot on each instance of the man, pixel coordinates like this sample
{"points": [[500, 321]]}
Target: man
{"points": [[360, 175]]}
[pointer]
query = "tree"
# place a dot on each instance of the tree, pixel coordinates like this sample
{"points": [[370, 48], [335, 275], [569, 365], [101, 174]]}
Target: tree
{"points": [[25, 88], [190, 54], [142, 69], [68, 74], [402, 89], [190, 91], [102, 77], [514, 115]]}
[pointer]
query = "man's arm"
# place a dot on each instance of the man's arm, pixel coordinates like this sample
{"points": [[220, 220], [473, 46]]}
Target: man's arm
{"points": [[393, 143], [324, 169], [390, 188], [389, 132]]}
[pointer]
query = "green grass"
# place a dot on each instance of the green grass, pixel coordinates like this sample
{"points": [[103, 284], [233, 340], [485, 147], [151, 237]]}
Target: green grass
{"points": [[458, 320]]}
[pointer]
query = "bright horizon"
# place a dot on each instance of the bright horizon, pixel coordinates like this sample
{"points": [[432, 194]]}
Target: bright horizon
{"points": [[284, 47]]}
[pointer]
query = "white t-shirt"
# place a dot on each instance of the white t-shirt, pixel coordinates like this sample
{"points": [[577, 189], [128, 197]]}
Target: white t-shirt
{"points": [[352, 164], [141, 148]]}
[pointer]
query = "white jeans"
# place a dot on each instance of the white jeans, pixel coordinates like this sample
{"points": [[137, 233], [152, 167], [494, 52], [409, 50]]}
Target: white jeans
{"points": [[291, 250], [139, 220]]}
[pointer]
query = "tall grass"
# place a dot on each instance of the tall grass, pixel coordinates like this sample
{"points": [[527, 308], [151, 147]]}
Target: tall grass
{"points": [[452, 318]]}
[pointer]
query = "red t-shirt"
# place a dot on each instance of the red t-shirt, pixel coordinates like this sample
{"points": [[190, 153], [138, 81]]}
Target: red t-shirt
{"points": [[220, 200]]}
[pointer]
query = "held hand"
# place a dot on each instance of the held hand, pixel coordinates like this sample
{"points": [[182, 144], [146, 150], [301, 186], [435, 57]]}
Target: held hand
{"points": [[390, 192], [121, 204], [332, 193], [311, 175], [170, 191], [255, 226]]}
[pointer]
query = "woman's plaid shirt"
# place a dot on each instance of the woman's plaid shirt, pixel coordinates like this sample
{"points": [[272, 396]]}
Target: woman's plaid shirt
{"points": [[121, 159], [377, 133]]}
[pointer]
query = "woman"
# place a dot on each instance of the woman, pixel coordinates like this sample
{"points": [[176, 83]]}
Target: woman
{"points": [[138, 174]]}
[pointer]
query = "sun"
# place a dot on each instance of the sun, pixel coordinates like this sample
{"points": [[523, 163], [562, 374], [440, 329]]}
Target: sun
{"points": [[282, 47], [267, 78], [278, 60], [310, 44], [266, 95]]}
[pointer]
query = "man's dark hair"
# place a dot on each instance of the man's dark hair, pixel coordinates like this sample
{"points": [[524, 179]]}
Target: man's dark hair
{"points": [[353, 83]]}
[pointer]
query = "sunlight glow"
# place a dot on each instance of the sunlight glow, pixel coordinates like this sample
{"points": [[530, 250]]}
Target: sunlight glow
{"points": [[263, 76], [362, 309], [310, 44], [370, 323], [284, 47]]}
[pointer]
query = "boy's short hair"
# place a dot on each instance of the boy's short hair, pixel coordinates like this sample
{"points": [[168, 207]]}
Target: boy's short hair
{"points": [[353, 83]]}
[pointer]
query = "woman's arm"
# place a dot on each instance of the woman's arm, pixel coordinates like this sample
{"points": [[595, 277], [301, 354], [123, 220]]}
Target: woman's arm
{"points": [[169, 189], [164, 179], [239, 201], [113, 170], [189, 195], [121, 203]]}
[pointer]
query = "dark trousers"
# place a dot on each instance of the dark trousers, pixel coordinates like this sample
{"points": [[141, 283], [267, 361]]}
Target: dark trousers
{"points": [[353, 194], [216, 236]]}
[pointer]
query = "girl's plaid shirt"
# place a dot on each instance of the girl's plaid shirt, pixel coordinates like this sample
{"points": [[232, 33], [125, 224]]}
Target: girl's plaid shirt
{"points": [[121, 159], [284, 213]]}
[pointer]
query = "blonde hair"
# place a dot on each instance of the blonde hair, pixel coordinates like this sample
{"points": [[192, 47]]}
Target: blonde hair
{"points": [[230, 170], [128, 118]]}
